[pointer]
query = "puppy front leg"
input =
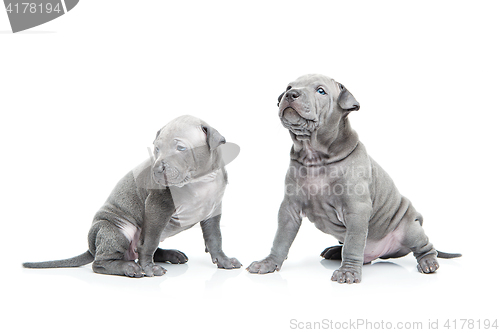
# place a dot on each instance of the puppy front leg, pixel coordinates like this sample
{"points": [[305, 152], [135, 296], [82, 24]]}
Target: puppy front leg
{"points": [[213, 244], [289, 221], [159, 208], [354, 247]]}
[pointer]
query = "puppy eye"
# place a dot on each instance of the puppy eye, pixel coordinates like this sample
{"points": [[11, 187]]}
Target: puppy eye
{"points": [[157, 150], [321, 91], [181, 148], [288, 88]]}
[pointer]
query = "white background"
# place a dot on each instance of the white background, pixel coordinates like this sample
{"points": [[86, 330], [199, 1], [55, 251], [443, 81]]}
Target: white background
{"points": [[83, 96]]}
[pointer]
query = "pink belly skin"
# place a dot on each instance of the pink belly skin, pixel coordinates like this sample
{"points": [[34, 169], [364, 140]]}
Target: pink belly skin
{"points": [[132, 233], [390, 244]]}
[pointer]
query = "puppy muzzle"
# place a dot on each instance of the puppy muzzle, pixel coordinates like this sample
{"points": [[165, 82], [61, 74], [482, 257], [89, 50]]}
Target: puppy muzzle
{"points": [[291, 116], [165, 175], [296, 123]]}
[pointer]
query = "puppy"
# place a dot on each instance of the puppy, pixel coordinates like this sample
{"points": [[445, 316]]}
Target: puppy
{"points": [[335, 184], [182, 185]]}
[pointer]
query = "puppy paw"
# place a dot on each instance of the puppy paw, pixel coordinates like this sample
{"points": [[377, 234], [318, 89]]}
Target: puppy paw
{"points": [[226, 263], [153, 270], [264, 266], [131, 269], [171, 256], [347, 275], [428, 264]]}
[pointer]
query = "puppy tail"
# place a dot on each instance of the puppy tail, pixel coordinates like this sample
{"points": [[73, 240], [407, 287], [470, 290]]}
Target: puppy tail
{"points": [[80, 260], [445, 255]]}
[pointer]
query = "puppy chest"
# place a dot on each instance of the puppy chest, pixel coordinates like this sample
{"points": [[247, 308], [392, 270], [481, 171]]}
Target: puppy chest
{"points": [[196, 202], [320, 190], [316, 186]]}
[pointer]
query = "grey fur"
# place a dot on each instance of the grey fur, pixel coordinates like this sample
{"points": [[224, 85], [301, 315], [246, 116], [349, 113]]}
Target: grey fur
{"points": [[80, 260], [182, 186], [337, 186]]}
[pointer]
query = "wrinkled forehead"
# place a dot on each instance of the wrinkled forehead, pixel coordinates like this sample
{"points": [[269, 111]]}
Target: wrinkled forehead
{"points": [[185, 131], [313, 81]]}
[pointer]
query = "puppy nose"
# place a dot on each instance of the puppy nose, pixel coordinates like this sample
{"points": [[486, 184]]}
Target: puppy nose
{"points": [[158, 169], [161, 167], [164, 167], [292, 95]]}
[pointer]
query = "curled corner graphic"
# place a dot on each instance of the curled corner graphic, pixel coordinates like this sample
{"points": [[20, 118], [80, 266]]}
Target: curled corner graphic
{"points": [[229, 152], [26, 14]]}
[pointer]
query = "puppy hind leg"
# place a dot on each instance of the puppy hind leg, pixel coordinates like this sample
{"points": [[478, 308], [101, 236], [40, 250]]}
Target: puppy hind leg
{"points": [[111, 247], [171, 256], [332, 252], [417, 241]]}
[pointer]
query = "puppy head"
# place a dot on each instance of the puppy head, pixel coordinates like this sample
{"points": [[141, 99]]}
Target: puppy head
{"points": [[312, 101], [185, 149]]}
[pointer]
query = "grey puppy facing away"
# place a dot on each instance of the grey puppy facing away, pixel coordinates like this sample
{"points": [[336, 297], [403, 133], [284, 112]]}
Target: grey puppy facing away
{"points": [[335, 184], [184, 185]]}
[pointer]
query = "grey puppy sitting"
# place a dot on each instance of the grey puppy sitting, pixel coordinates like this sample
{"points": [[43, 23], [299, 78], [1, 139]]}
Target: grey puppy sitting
{"points": [[335, 184], [181, 186]]}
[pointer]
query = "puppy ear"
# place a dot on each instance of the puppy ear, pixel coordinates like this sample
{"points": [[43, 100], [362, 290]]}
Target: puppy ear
{"points": [[214, 139], [280, 97], [346, 100]]}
